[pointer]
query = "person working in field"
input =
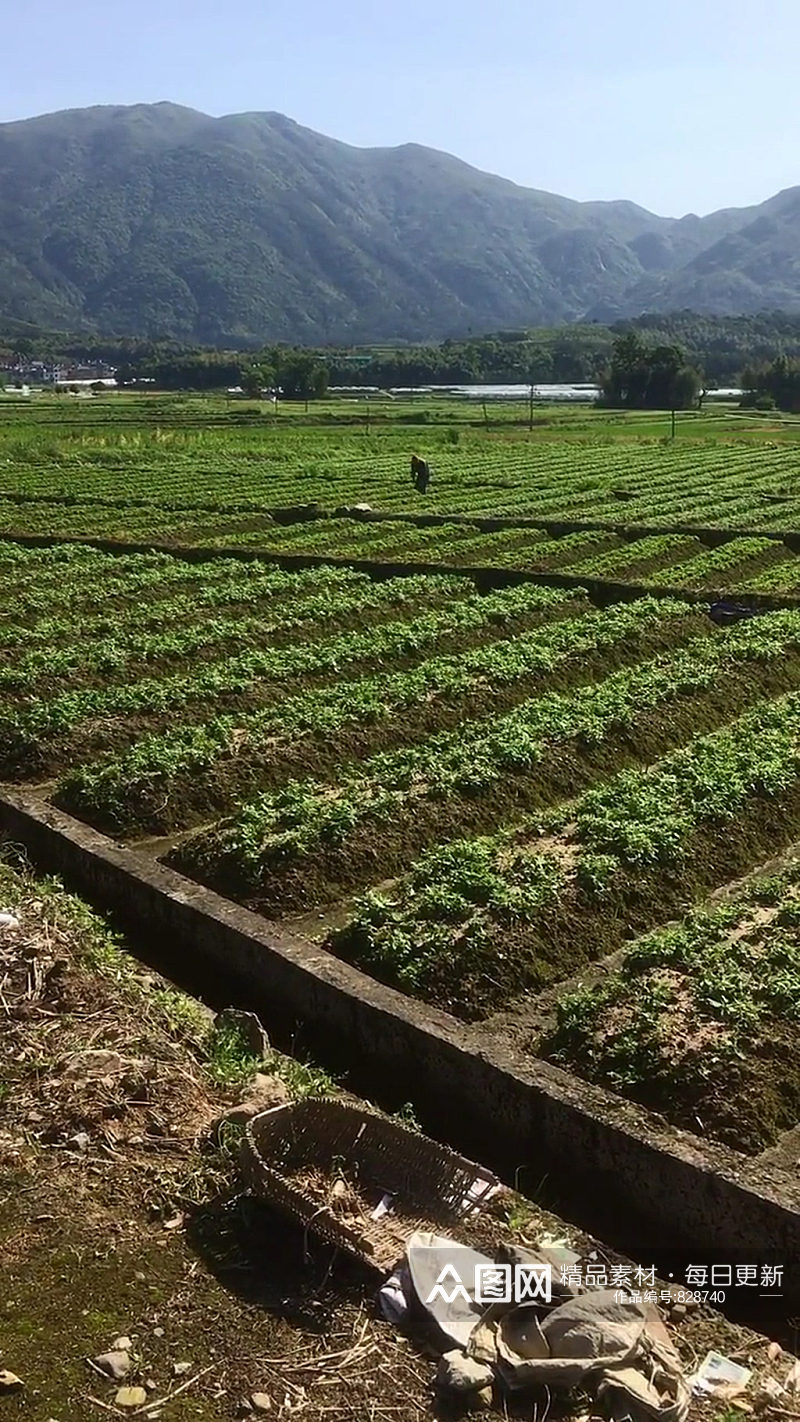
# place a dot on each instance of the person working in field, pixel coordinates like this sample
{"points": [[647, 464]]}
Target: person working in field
{"points": [[420, 474]]}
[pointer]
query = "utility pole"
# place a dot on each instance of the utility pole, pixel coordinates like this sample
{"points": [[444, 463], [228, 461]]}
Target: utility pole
{"points": [[530, 408], [673, 422]]}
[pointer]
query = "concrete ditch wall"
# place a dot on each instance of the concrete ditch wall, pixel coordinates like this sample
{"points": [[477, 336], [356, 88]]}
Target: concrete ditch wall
{"points": [[609, 1160]]}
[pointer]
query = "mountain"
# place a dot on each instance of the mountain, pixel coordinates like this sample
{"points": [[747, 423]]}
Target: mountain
{"points": [[157, 220]]}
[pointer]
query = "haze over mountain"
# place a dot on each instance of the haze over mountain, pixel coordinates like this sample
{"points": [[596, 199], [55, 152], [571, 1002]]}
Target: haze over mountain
{"points": [[161, 221]]}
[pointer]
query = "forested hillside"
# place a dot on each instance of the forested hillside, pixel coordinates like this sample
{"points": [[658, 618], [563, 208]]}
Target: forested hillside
{"points": [[159, 221]]}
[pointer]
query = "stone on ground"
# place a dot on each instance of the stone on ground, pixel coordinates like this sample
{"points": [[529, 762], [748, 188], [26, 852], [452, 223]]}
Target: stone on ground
{"points": [[115, 1364], [130, 1397]]}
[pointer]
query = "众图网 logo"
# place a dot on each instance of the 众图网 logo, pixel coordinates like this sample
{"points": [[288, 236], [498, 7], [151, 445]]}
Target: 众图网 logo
{"points": [[495, 1283]]}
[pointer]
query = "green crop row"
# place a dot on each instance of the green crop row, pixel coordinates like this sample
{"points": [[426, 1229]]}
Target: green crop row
{"points": [[26, 731], [616, 562], [476, 922], [96, 579], [128, 524], [245, 585], [781, 577], [701, 571], [282, 829], [147, 785], [112, 654], [603, 471], [106, 580]]}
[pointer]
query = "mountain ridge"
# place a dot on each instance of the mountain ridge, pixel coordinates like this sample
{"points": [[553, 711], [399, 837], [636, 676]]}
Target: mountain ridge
{"points": [[159, 220]]}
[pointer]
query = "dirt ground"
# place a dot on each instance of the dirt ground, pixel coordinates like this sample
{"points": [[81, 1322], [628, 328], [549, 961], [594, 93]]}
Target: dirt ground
{"points": [[122, 1215], [119, 1217]]}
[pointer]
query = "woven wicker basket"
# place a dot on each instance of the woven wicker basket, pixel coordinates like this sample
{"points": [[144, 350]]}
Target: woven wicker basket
{"points": [[431, 1187]]}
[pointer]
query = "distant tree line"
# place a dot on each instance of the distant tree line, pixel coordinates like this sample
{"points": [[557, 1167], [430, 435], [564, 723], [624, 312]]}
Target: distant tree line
{"points": [[293, 375], [574, 354], [167, 365], [722, 346], [728, 350]]}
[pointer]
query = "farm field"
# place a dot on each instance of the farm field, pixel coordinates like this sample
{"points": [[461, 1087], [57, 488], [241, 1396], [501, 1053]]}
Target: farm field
{"points": [[471, 796], [473, 790], [112, 469]]}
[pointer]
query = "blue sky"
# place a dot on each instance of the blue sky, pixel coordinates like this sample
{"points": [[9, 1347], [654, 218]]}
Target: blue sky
{"points": [[688, 105]]}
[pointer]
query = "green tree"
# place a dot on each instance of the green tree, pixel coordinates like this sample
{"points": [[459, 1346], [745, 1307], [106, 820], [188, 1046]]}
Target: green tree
{"points": [[625, 383], [302, 376], [778, 381], [255, 380], [640, 377], [673, 385]]}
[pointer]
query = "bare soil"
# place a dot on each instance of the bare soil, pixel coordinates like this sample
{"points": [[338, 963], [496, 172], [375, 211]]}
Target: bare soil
{"points": [[119, 1217]]}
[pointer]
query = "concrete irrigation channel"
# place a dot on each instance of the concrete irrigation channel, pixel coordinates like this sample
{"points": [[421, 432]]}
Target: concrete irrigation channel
{"points": [[619, 1170]]}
